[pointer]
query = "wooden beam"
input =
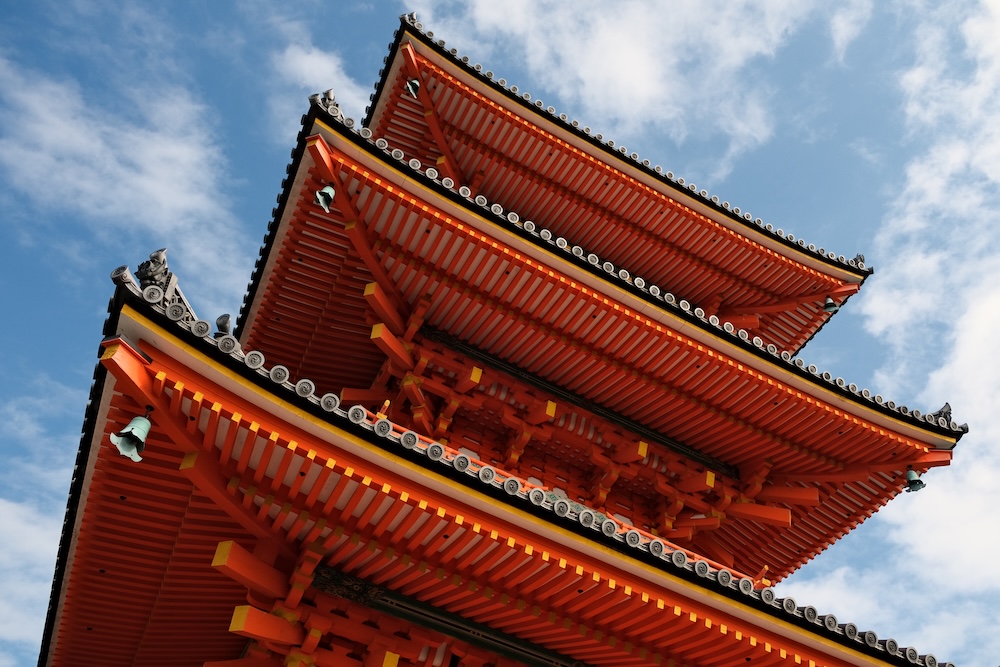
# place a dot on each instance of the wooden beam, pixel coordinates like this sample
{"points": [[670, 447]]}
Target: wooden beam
{"points": [[133, 377], [792, 495], [384, 308], [775, 516], [391, 346], [471, 379], [205, 474], [354, 395], [421, 410], [793, 302], [605, 483], [449, 165], [698, 482], [380, 656], [243, 567], [742, 321], [251, 622], [354, 226], [630, 452], [540, 411]]}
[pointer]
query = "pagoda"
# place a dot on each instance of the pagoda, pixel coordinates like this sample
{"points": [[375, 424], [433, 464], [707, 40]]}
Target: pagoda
{"points": [[500, 393]]}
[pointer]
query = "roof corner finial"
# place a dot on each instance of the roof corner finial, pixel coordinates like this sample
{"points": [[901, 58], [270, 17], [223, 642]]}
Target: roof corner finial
{"points": [[944, 411], [326, 101], [222, 324], [411, 17], [154, 271]]}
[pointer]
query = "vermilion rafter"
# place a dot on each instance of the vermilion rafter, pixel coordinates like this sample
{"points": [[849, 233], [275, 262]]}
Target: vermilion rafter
{"points": [[483, 242], [448, 163], [544, 330], [604, 167], [654, 242], [355, 225], [134, 377]]}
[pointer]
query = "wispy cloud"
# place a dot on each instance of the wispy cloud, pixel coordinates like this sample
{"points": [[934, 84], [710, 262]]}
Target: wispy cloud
{"points": [[301, 69], [143, 169], [846, 23], [941, 239], [295, 65], [40, 429], [867, 152], [679, 70], [934, 304]]}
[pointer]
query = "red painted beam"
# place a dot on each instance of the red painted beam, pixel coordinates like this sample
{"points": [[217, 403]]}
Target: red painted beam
{"points": [[242, 566], [256, 624]]}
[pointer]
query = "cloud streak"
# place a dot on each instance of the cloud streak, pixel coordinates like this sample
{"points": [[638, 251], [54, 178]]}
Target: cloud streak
{"points": [[685, 70], [933, 304], [33, 483], [148, 171]]}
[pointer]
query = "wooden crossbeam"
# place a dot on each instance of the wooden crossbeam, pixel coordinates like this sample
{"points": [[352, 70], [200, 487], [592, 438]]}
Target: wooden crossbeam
{"points": [[859, 473], [776, 516], [630, 452], [697, 482], [792, 495], [793, 302], [134, 378], [245, 568], [391, 346], [248, 621], [471, 379], [448, 165], [355, 395], [540, 411], [354, 226], [421, 410], [381, 303]]}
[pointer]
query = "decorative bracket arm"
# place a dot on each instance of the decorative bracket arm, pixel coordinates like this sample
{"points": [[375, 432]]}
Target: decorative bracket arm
{"points": [[448, 164]]}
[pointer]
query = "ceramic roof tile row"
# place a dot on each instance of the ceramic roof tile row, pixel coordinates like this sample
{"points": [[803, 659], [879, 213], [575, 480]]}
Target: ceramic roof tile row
{"points": [[651, 293], [594, 523], [619, 151]]}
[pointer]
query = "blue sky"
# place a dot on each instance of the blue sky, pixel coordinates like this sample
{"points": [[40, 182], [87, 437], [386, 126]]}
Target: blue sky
{"points": [[859, 126]]}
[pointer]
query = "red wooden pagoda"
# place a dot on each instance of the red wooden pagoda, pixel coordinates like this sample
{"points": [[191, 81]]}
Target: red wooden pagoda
{"points": [[500, 393]]}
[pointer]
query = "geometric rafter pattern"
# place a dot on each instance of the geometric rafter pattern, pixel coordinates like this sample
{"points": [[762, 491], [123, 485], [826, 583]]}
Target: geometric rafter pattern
{"points": [[347, 513], [500, 394], [556, 183], [479, 284]]}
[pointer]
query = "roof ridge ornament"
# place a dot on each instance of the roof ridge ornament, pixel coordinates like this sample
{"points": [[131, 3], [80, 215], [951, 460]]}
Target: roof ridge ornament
{"points": [[327, 101], [157, 285]]}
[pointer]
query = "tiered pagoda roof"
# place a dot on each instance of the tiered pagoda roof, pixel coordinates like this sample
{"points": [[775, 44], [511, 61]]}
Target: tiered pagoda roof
{"points": [[500, 393], [661, 412], [487, 134], [265, 511]]}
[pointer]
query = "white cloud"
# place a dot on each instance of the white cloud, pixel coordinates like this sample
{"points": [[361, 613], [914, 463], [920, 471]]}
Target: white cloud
{"points": [[941, 242], [300, 69], [682, 69], [934, 303], [144, 168], [40, 430], [847, 22], [303, 69], [27, 559]]}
